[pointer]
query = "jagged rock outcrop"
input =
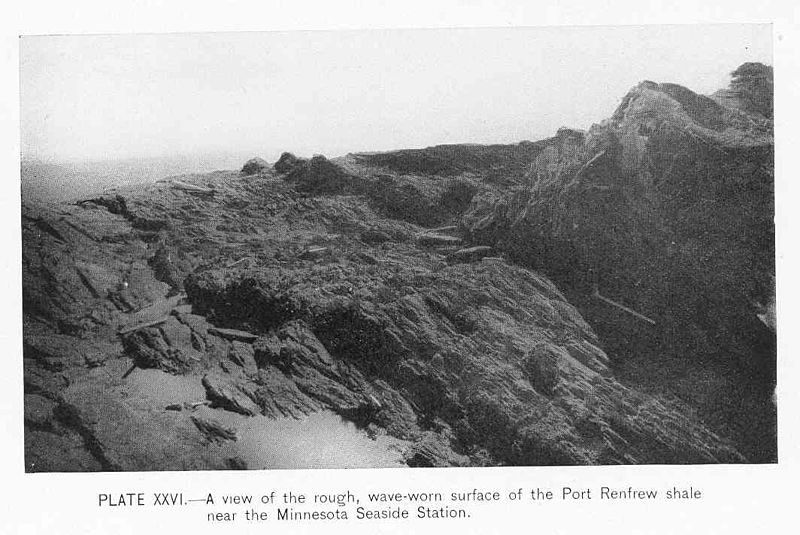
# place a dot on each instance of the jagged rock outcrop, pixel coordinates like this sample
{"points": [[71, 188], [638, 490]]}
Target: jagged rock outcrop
{"points": [[320, 176], [672, 186], [750, 90], [667, 207], [287, 163]]}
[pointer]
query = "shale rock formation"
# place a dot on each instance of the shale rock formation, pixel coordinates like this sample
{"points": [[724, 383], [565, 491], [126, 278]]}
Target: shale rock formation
{"points": [[668, 207], [412, 294]]}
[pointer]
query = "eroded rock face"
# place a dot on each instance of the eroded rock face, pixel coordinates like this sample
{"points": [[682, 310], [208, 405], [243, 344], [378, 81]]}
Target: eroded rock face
{"points": [[674, 191], [505, 385], [668, 208]]}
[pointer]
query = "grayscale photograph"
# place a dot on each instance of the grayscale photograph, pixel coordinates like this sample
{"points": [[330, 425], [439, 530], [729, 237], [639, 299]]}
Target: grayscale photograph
{"points": [[398, 248]]}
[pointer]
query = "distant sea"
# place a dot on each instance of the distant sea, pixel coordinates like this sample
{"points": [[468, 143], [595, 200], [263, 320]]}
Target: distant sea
{"points": [[75, 180]]}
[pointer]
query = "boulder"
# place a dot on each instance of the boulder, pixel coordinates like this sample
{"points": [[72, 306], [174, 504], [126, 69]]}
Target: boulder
{"points": [[165, 270], [149, 349], [255, 166], [541, 368]]}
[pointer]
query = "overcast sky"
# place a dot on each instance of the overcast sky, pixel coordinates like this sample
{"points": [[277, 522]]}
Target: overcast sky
{"points": [[122, 96]]}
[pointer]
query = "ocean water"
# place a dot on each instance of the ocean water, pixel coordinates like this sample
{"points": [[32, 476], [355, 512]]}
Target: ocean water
{"points": [[76, 180]]}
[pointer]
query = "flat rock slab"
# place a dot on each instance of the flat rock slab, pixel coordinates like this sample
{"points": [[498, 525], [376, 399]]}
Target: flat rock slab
{"points": [[434, 240], [470, 254], [444, 230], [233, 334], [139, 326], [151, 314]]}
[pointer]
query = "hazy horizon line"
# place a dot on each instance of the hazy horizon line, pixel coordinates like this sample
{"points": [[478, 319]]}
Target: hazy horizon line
{"points": [[212, 153], [506, 131]]}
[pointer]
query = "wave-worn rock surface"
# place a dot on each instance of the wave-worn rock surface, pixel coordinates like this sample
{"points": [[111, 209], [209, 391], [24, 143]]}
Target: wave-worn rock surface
{"points": [[453, 306]]}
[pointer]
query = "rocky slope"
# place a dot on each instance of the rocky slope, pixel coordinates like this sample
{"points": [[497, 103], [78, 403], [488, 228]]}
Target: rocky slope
{"points": [[668, 208], [410, 293]]}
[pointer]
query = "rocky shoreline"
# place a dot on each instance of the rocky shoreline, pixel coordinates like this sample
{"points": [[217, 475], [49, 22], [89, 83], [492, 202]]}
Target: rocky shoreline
{"points": [[436, 298]]}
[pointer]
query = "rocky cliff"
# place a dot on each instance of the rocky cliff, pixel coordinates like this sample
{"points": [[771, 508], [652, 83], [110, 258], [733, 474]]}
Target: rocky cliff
{"points": [[437, 299], [666, 207]]}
